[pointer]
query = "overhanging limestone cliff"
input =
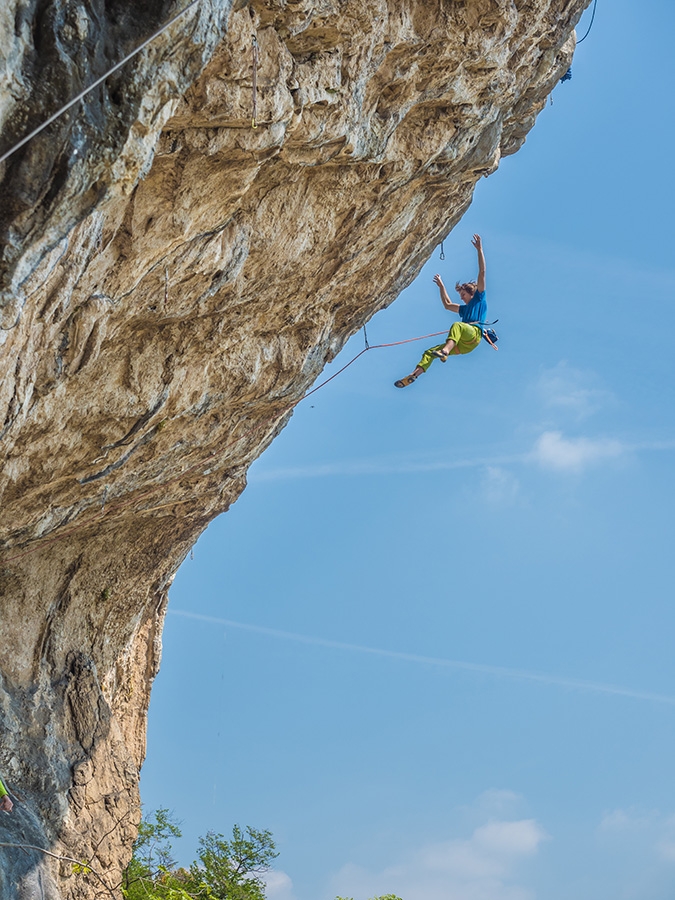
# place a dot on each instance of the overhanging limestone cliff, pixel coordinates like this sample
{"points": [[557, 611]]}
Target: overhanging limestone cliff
{"points": [[172, 281]]}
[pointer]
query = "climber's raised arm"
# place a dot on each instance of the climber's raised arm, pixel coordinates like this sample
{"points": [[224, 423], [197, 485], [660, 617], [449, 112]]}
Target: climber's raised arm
{"points": [[478, 244], [445, 298]]}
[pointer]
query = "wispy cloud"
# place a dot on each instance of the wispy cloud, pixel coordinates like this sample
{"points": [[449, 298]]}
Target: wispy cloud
{"points": [[360, 467], [572, 391], [648, 835], [483, 866], [441, 663], [499, 485], [497, 803], [554, 451], [619, 821], [565, 257]]}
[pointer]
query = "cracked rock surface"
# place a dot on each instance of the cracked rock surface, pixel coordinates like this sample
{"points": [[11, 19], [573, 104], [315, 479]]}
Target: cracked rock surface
{"points": [[172, 280]]}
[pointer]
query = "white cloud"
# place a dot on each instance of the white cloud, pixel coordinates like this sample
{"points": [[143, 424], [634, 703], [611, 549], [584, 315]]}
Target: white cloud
{"points": [[553, 451], [484, 866], [572, 391], [278, 885], [508, 839]]}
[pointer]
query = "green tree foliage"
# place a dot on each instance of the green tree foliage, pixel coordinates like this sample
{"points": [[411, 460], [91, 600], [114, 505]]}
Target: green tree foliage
{"points": [[383, 897], [232, 870], [152, 848], [152, 873], [226, 870]]}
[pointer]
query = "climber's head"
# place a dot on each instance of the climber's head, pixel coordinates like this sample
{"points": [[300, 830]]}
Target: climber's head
{"points": [[466, 290]]}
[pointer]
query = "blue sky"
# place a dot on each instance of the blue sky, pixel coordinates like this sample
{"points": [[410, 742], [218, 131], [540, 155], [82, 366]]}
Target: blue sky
{"points": [[430, 647]]}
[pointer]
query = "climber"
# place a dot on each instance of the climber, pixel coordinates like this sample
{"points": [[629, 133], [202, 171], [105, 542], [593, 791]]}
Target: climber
{"points": [[463, 336], [5, 800]]}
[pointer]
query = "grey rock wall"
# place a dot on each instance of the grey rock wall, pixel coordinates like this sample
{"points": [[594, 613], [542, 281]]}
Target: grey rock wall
{"points": [[172, 280]]}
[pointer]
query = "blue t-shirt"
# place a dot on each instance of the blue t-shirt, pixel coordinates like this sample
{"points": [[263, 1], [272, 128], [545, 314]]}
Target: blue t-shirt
{"points": [[475, 310]]}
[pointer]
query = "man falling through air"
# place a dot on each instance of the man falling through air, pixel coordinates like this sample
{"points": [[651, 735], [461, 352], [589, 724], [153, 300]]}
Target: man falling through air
{"points": [[464, 336]]}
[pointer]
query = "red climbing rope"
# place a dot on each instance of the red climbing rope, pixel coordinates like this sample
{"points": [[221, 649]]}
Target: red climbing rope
{"points": [[365, 350], [107, 509]]}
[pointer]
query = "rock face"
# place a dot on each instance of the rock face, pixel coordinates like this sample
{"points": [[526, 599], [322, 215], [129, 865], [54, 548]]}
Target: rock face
{"points": [[172, 281]]}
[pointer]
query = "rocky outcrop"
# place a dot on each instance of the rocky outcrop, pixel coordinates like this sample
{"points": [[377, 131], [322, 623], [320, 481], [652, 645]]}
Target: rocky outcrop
{"points": [[173, 279]]}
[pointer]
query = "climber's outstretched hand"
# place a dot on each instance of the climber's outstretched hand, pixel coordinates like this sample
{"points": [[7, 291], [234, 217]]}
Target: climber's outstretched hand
{"points": [[445, 298]]}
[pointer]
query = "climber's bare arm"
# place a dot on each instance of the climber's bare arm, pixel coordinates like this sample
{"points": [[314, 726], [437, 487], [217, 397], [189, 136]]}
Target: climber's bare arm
{"points": [[478, 244], [6, 804], [445, 299]]}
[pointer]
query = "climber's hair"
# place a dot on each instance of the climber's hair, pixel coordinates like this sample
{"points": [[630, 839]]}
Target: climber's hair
{"points": [[469, 286]]}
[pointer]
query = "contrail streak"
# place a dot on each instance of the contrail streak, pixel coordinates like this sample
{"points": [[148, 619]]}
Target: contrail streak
{"points": [[593, 448], [479, 668], [377, 467]]}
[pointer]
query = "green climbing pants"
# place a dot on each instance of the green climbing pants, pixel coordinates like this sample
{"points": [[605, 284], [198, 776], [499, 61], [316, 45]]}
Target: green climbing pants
{"points": [[466, 338]]}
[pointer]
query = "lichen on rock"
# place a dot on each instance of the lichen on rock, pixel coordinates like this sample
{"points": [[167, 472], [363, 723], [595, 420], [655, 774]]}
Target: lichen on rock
{"points": [[171, 281]]}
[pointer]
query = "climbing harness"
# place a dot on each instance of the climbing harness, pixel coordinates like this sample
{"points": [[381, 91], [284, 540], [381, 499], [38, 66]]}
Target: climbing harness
{"points": [[96, 83], [488, 334], [254, 54]]}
